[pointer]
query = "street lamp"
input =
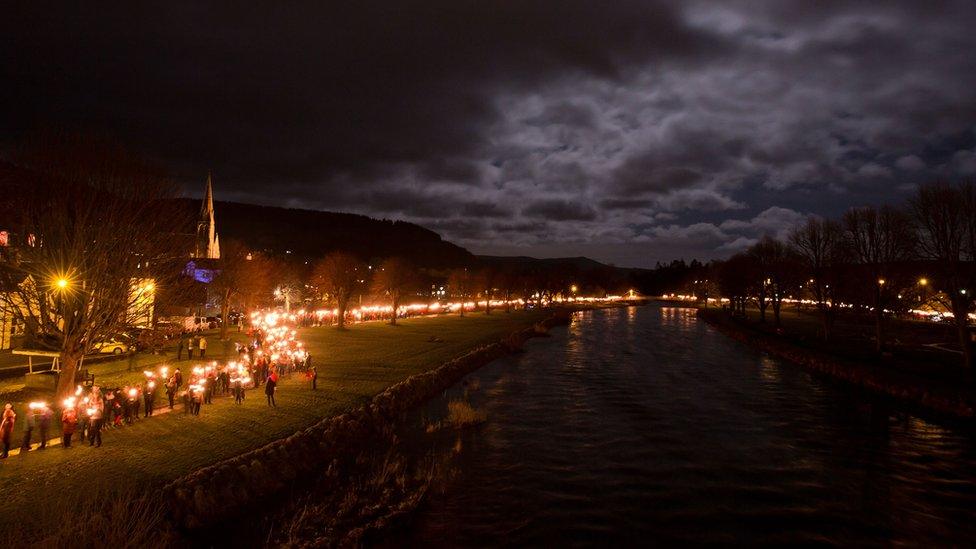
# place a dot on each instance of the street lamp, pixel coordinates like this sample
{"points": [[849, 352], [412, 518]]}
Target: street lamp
{"points": [[61, 283]]}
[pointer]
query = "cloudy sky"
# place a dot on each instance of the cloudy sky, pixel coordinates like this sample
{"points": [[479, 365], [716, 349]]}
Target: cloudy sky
{"points": [[631, 132]]}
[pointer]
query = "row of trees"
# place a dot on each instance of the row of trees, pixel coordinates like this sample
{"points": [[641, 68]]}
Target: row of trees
{"points": [[248, 279], [883, 260]]}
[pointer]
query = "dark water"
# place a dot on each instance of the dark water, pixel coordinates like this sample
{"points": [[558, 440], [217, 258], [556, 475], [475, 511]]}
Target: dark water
{"points": [[644, 426]]}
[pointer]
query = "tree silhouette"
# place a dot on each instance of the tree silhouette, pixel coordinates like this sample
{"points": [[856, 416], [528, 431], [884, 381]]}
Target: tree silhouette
{"points": [[97, 228], [394, 278], [339, 276]]}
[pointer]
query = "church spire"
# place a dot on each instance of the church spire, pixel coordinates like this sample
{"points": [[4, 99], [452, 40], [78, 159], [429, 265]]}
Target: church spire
{"points": [[206, 212], [208, 242]]}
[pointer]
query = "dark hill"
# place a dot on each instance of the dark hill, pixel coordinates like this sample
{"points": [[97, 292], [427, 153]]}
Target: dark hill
{"points": [[312, 234]]}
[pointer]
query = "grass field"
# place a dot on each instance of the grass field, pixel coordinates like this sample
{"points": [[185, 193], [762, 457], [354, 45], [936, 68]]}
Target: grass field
{"points": [[353, 365]]}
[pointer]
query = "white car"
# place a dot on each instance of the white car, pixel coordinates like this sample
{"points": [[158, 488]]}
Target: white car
{"points": [[115, 346]]}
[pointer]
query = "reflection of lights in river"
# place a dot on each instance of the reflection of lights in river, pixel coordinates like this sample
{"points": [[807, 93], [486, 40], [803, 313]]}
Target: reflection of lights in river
{"points": [[679, 315], [768, 369]]}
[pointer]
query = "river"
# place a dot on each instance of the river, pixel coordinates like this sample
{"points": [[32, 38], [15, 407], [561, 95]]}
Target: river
{"points": [[645, 426]]}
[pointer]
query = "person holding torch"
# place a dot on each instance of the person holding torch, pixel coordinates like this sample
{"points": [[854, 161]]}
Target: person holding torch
{"points": [[149, 394], [96, 409], [69, 421], [44, 423], [7, 427]]}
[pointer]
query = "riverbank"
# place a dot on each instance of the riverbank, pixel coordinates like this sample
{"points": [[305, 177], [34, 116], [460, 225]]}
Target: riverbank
{"points": [[930, 394], [225, 489], [354, 365]]}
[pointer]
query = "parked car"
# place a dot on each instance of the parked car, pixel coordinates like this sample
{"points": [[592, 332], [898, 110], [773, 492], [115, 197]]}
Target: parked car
{"points": [[115, 345]]}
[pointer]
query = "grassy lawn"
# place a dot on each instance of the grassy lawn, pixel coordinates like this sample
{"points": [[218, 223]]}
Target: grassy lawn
{"points": [[353, 365]]}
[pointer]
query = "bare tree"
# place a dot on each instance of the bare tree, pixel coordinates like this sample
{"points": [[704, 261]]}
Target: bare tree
{"points": [[509, 283], [819, 244], [340, 276], [773, 265], [485, 281], [97, 227], [394, 278], [878, 240], [946, 219], [735, 277], [243, 278], [461, 282]]}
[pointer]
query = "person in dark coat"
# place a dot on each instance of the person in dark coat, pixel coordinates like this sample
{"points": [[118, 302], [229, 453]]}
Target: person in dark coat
{"points": [[148, 397], [96, 414], [269, 389], [181, 346], [44, 424], [29, 428], [171, 390], [210, 385]]}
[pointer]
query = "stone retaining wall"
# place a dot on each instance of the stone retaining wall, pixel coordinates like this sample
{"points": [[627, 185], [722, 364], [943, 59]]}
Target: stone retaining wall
{"points": [[219, 491], [870, 377]]}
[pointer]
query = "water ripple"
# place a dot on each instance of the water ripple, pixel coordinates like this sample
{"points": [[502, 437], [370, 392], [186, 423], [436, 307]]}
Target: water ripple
{"points": [[643, 426]]}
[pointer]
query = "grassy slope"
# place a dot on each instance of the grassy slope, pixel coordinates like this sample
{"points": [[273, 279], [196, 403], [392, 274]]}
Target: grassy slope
{"points": [[353, 365]]}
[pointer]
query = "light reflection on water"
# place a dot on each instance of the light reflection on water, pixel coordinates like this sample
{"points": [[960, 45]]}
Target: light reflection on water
{"points": [[646, 426]]}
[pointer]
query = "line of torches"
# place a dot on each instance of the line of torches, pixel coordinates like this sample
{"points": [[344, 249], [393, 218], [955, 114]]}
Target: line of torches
{"points": [[358, 313], [279, 340]]}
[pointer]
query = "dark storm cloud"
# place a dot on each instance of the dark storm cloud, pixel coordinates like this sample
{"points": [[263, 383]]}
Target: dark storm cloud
{"points": [[560, 210], [632, 130]]}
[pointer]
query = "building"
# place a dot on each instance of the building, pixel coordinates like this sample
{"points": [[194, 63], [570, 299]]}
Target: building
{"points": [[12, 310], [208, 241]]}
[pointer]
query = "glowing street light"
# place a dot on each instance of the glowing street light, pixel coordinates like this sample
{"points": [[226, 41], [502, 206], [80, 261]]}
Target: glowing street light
{"points": [[923, 282], [573, 288], [881, 282]]}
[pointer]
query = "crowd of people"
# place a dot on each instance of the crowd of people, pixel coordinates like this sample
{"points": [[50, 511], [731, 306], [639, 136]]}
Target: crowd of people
{"points": [[271, 352]]}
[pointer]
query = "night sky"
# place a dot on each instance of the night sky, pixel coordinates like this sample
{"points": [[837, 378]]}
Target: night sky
{"points": [[630, 132]]}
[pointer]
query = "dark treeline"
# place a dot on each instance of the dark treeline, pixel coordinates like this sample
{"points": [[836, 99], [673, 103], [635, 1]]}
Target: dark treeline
{"points": [[880, 261], [311, 234]]}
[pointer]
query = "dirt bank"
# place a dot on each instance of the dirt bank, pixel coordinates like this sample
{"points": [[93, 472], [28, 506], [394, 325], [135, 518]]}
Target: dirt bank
{"points": [[956, 402]]}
